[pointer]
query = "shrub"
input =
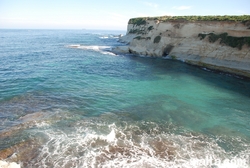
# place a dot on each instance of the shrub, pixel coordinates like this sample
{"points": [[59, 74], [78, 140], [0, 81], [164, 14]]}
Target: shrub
{"points": [[227, 40], [138, 38], [202, 36], [157, 39], [138, 21], [133, 31], [137, 31], [150, 28], [142, 20], [213, 37]]}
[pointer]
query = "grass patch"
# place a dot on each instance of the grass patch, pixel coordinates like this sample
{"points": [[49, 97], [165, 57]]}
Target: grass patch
{"points": [[239, 18], [138, 21]]}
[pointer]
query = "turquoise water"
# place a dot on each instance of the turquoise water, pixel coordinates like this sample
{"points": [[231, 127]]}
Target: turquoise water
{"points": [[80, 105]]}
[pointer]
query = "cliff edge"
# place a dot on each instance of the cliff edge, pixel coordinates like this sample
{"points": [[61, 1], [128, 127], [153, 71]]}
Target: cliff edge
{"points": [[216, 42]]}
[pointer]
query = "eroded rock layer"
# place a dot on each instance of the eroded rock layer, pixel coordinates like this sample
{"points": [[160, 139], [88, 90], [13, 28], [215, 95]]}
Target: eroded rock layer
{"points": [[222, 45]]}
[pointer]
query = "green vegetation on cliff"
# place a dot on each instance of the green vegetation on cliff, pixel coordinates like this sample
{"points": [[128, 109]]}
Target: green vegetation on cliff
{"points": [[138, 21], [157, 39], [227, 40], [137, 31], [150, 28], [141, 38], [142, 20]]}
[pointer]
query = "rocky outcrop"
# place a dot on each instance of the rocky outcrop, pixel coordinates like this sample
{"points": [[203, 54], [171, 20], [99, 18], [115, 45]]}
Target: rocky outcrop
{"points": [[222, 45]]}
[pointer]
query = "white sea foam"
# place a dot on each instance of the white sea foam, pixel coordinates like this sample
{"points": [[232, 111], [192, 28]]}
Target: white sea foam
{"points": [[42, 124], [4, 164], [110, 36], [91, 47], [74, 45], [104, 37], [206, 69], [108, 53], [101, 49], [99, 144]]}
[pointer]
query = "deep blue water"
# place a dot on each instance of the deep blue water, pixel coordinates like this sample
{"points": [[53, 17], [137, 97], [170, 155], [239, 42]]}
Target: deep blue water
{"points": [[80, 105]]}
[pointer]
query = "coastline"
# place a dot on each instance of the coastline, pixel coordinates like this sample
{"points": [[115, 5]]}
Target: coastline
{"points": [[217, 45], [84, 106]]}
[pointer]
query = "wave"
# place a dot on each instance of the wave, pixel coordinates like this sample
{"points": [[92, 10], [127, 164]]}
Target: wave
{"points": [[91, 47], [101, 49], [104, 37], [111, 36], [99, 142], [108, 53], [9, 165]]}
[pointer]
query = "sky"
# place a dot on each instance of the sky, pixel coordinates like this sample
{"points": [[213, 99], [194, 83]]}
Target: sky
{"points": [[105, 14]]}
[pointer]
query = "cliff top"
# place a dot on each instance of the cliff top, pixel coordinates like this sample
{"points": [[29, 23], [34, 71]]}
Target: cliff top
{"points": [[239, 18]]}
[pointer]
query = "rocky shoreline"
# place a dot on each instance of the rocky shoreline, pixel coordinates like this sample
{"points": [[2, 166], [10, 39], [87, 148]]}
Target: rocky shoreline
{"points": [[218, 45]]}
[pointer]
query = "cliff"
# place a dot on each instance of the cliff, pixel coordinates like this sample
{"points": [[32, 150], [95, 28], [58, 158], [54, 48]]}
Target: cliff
{"points": [[219, 42]]}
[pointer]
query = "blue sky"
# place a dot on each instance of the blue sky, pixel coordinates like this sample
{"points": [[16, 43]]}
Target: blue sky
{"points": [[105, 14]]}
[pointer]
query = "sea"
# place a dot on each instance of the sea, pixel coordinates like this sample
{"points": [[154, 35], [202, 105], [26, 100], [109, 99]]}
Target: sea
{"points": [[67, 101]]}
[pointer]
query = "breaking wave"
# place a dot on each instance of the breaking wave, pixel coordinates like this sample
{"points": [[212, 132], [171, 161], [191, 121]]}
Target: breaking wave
{"points": [[101, 49], [110, 37], [101, 142]]}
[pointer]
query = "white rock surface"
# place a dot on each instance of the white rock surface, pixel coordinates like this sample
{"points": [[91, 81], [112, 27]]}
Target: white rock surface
{"points": [[187, 46]]}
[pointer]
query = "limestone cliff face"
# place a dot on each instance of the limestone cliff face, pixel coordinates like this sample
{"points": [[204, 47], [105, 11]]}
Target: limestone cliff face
{"points": [[222, 45]]}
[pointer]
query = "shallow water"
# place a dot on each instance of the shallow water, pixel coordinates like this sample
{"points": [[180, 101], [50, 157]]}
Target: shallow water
{"points": [[67, 101]]}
